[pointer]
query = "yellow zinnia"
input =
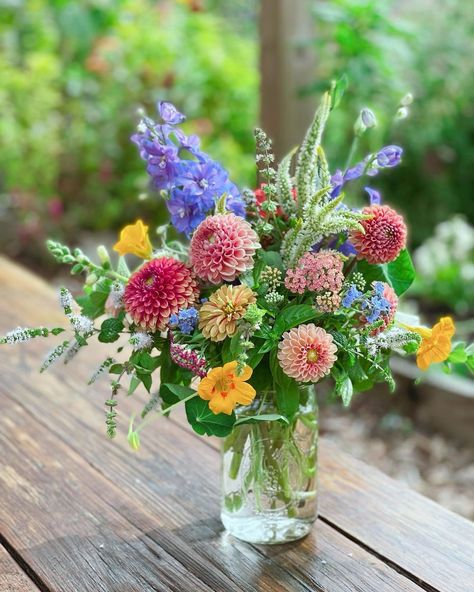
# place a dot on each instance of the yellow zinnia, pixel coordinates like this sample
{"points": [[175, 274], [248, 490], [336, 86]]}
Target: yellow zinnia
{"points": [[224, 388], [435, 342], [134, 239]]}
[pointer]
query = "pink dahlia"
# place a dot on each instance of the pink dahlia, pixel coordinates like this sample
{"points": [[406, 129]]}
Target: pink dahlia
{"points": [[385, 235], [157, 290], [317, 272], [307, 353], [222, 248]]}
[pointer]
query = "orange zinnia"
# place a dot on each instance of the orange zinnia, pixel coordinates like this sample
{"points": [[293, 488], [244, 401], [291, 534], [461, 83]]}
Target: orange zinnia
{"points": [[224, 388], [134, 239], [435, 342]]}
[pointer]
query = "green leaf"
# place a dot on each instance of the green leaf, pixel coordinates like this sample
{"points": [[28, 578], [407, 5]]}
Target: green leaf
{"points": [[458, 355], [345, 390], [110, 330], [372, 273], [145, 379], [272, 259], [204, 421], [181, 392], [338, 91], [93, 304], [292, 316], [116, 369], [262, 417], [286, 389], [401, 272], [134, 383]]}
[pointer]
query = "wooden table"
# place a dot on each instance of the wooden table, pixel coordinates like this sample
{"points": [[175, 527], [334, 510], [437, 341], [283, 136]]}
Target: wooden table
{"points": [[81, 513]]}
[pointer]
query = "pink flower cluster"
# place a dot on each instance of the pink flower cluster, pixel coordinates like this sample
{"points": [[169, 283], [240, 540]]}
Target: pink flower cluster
{"points": [[188, 359], [316, 272], [328, 301]]}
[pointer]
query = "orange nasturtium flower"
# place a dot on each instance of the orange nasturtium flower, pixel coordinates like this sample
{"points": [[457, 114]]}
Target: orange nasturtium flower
{"points": [[435, 342], [134, 239], [224, 388]]}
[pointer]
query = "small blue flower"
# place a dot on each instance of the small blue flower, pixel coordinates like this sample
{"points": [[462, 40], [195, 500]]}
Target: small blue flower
{"points": [[351, 296], [186, 320]]}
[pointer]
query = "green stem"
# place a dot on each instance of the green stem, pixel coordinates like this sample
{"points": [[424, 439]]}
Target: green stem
{"points": [[164, 411], [352, 151]]}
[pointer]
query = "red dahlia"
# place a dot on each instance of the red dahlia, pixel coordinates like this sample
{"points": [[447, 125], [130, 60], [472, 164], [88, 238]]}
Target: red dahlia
{"points": [[157, 290], [385, 235]]}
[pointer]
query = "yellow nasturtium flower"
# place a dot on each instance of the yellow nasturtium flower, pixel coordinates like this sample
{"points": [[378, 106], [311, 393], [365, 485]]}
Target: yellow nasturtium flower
{"points": [[224, 388], [134, 239], [435, 342]]}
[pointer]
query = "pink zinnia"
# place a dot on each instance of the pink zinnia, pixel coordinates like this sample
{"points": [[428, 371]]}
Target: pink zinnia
{"points": [[317, 272], [157, 290], [385, 235], [307, 353], [222, 248]]}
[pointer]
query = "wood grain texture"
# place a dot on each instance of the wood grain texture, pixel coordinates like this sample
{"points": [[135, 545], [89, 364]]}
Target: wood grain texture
{"points": [[12, 577], [166, 498]]}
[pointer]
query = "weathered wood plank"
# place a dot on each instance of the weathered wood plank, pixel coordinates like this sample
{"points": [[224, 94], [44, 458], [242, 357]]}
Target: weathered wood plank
{"points": [[165, 474], [12, 577]]}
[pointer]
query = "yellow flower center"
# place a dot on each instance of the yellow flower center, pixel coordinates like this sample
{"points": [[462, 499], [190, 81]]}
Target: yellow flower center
{"points": [[312, 356]]}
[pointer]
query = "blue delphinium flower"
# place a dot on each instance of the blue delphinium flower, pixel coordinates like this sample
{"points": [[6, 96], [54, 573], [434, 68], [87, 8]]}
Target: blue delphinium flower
{"points": [[389, 156], [186, 320], [192, 180], [351, 296]]}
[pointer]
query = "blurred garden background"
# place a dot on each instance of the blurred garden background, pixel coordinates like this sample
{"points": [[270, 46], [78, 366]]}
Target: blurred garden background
{"points": [[74, 74]]}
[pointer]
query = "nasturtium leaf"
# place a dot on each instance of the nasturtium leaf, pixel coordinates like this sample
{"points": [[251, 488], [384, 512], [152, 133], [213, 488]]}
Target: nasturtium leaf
{"points": [[204, 421], [293, 315], [180, 391], [401, 272]]}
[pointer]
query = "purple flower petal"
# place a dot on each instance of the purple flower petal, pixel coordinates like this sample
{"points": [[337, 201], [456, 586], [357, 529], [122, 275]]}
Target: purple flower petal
{"points": [[169, 113], [374, 196]]}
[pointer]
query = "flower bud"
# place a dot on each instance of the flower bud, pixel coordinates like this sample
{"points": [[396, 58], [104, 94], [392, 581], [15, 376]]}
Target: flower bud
{"points": [[134, 440], [103, 254], [91, 279], [407, 100], [402, 113], [365, 121]]}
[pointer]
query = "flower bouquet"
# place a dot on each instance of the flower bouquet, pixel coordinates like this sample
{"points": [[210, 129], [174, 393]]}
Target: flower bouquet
{"points": [[275, 290]]}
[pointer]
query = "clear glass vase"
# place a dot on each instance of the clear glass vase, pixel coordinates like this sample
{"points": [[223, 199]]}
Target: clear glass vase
{"points": [[269, 473]]}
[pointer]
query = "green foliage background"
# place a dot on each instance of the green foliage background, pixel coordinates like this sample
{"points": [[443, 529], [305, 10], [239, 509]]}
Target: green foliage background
{"points": [[73, 76]]}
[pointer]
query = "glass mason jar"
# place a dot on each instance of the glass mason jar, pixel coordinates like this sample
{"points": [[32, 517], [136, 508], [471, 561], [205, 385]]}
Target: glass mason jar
{"points": [[269, 473]]}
